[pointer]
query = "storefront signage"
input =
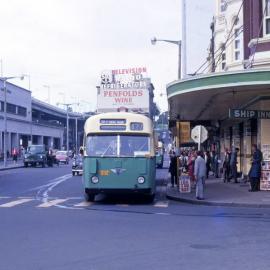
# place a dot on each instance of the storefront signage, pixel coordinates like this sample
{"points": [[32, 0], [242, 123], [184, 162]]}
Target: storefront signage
{"points": [[237, 113], [184, 132]]}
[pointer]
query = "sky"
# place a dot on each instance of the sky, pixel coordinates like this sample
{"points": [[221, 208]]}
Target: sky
{"points": [[64, 45]]}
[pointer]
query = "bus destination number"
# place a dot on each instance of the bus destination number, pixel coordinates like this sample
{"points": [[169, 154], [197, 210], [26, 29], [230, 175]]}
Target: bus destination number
{"points": [[112, 127], [136, 126], [113, 121]]}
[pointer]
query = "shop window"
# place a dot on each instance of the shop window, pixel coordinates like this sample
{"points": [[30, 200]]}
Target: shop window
{"points": [[11, 108], [266, 12], [22, 111]]}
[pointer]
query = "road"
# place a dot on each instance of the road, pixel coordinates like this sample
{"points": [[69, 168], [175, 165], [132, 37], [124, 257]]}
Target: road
{"points": [[46, 224]]}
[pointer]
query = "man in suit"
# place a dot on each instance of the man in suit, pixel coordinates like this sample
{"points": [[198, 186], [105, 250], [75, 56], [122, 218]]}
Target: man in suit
{"points": [[200, 175]]}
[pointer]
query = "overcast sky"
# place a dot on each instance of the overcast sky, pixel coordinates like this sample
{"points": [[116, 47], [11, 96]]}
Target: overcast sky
{"points": [[65, 44]]}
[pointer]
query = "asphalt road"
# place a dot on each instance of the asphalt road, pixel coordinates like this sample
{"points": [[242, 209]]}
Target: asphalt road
{"points": [[45, 224]]}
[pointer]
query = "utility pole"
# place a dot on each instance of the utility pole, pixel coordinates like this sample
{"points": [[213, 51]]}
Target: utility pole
{"points": [[212, 46], [184, 40]]}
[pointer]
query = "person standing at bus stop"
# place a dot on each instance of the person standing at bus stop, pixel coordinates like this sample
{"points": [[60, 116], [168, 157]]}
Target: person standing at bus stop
{"points": [[173, 169], [255, 170], [200, 174]]}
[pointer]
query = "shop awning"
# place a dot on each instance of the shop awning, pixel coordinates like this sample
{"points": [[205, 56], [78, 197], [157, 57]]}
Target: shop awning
{"points": [[209, 97]]}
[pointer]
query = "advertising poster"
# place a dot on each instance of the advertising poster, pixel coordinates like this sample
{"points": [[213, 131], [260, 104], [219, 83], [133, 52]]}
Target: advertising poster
{"points": [[265, 175]]}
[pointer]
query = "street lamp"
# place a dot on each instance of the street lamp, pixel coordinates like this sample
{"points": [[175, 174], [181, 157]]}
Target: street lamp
{"points": [[176, 42], [5, 79], [67, 108]]}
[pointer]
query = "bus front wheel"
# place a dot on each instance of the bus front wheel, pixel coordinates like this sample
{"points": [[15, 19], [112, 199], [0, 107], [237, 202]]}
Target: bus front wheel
{"points": [[89, 197]]}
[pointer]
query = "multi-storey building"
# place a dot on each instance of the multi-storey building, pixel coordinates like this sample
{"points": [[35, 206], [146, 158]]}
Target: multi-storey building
{"points": [[238, 80]]}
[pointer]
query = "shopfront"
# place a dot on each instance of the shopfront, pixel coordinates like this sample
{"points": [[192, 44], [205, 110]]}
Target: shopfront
{"points": [[211, 99]]}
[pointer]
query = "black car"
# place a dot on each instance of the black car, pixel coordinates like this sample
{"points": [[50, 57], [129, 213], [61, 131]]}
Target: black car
{"points": [[77, 165]]}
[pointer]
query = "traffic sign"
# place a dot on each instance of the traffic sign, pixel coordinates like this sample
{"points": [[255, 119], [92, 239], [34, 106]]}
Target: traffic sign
{"points": [[199, 134]]}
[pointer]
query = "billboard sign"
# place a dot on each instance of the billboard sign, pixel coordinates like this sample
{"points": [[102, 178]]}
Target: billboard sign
{"points": [[123, 88]]}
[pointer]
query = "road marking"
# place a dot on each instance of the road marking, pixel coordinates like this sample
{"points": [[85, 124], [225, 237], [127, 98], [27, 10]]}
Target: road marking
{"points": [[122, 205], [51, 203], [162, 204], [83, 204], [17, 202]]}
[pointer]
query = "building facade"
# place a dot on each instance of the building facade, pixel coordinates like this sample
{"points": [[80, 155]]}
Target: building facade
{"points": [[240, 83], [30, 120]]}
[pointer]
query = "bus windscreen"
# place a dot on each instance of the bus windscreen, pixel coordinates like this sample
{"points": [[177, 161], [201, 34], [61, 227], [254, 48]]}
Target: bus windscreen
{"points": [[117, 145]]}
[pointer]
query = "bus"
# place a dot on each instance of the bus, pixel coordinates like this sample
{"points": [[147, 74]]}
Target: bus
{"points": [[119, 155], [159, 155]]}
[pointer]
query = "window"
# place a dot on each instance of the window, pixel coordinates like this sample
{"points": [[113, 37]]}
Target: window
{"points": [[117, 145], [237, 44], [21, 111], [11, 108], [223, 62], [2, 106], [223, 5], [266, 12]]}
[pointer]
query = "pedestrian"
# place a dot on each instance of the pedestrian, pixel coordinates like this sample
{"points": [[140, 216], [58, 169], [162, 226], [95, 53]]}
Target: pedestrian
{"points": [[207, 158], [233, 164], [190, 164], [226, 165], [15, 155], [200, 174], [255, 170], [215, 164], [173, 168]]}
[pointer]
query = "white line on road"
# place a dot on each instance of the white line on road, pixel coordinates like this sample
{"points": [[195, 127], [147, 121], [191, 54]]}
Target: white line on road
{"points": [[51, 203], [83, 204], [17, 202], [163, 204]]}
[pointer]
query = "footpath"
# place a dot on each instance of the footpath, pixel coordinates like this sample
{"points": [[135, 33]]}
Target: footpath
{"points": [[11, 164], [218, 193]]}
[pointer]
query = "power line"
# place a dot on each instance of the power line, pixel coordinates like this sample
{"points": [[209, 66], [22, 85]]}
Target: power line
{"points": [[225, 43]]}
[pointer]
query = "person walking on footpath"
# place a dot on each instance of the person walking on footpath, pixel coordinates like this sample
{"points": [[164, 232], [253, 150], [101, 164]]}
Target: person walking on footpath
{"points": [[207, 158], [190, 164], [200, 174], [255, 170], [233, 164], [173, 169], [15, 155], [226, 165]]}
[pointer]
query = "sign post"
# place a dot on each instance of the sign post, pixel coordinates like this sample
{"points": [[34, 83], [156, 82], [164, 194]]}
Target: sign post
{"points": [[199, 134]]}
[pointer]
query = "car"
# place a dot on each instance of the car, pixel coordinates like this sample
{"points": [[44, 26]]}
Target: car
{"points": [[35, 155], [62, 157], [77, 165]]}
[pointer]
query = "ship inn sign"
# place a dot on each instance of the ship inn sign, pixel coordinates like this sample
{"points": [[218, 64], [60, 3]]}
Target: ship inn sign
{"points": [[250, 114]]}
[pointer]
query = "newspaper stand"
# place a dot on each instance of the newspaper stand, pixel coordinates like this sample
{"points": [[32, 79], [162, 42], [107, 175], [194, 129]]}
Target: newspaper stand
{"points": [[184, 183]]}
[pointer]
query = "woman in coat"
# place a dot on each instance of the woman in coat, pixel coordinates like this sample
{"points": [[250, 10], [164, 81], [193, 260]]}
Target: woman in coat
{"points": [[255, 170]]}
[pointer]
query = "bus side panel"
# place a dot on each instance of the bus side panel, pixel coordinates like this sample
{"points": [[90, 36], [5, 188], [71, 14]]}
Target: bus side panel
{"points": [[120, 173]]}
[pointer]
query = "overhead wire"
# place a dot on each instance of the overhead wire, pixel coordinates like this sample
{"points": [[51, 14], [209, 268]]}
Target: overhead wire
{"points": [[225, 43]]}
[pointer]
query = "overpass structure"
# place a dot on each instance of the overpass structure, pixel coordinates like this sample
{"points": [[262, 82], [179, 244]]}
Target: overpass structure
{"points": [[30, 120]]}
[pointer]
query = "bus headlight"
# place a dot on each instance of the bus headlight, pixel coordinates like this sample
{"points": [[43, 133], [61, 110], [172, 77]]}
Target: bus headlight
{"points": [[141, 180], [94, 179]]}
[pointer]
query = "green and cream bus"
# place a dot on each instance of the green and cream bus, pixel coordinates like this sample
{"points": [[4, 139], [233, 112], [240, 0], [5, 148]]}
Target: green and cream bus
{"points": [[119, 155]]}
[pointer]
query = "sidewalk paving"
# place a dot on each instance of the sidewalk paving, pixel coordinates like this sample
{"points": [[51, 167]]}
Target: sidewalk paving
{"points": [[224, 194], [11, 165]]}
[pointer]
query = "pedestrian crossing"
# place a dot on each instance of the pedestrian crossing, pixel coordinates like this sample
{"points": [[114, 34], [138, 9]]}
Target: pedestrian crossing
{"points": [[11, 202]]}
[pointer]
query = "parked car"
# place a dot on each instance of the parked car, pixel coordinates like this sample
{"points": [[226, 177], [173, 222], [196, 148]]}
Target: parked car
{"points": [[35, 155], [62, 157], [77, 165]]}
